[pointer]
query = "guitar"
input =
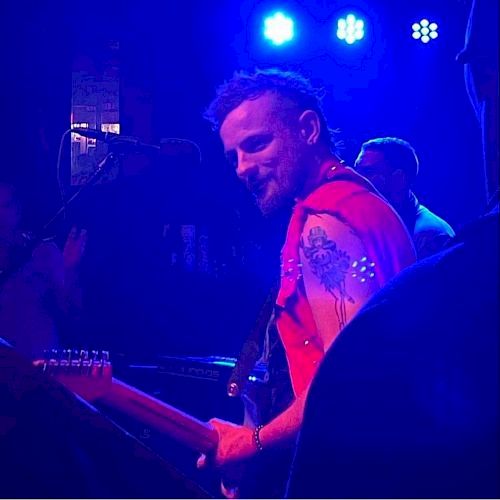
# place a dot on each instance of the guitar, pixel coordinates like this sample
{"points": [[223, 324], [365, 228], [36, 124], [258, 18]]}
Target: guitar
{"points": [[89, 375]]}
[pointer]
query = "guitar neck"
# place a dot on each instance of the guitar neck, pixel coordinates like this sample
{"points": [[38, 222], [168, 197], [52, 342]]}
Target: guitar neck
{"points": [[189, 431], [88, 374]]}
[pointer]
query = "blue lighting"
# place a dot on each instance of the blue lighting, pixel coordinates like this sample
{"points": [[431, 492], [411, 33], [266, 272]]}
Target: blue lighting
{"points": [[230, 364], [278, 28], [424, 31], [350, 29]]}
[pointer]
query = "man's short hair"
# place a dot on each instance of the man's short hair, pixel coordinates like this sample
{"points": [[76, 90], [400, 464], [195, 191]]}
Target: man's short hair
{"points": [[245, 86], [398, 154]]}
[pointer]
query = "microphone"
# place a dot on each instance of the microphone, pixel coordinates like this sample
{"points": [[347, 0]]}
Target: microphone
{"points": [[170, 147], [116, 140]]}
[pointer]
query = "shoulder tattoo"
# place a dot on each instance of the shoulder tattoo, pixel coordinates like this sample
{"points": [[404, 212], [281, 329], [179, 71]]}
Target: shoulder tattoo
{"points": [[331, 265]]}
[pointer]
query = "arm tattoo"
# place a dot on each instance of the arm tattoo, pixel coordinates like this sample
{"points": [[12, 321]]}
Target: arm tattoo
{"points": [[330, 265]]}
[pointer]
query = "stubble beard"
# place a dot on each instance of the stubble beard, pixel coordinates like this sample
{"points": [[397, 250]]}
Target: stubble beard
{"points": [[282, 196]]}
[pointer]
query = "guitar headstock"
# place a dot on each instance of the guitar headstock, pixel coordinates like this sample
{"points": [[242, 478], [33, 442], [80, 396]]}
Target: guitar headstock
{"points": [[87, 373]]}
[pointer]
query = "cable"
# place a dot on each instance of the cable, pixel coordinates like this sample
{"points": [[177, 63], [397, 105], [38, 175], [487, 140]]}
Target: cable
{"points": [[60, 182]]}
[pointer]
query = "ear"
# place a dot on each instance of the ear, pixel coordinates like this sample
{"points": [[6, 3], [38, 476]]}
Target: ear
{"points": [[399, 180], [309, 126]]}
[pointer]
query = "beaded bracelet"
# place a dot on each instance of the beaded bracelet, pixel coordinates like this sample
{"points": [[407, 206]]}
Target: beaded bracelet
{"points": [[256, 438]]}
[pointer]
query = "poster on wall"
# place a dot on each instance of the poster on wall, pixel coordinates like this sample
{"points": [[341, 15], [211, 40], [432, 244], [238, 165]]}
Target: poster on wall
{"points": [[95, 105]]}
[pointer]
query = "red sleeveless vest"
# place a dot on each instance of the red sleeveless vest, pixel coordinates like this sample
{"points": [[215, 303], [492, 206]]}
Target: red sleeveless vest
{"points": [[351, 198]]}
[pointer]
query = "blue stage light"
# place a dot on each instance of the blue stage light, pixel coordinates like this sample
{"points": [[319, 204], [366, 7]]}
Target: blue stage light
{"points": [[350, 29], [278, 28], [424, 31]]}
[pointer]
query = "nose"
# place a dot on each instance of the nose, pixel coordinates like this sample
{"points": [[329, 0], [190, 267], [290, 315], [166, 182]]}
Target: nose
{"points": [[246, 168]]}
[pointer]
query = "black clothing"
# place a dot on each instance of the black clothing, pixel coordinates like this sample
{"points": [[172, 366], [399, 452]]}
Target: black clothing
{"points": [[405, 403]]}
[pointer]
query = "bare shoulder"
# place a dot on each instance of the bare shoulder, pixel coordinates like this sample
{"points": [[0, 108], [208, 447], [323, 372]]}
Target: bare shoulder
{"points": [[336, 273]]}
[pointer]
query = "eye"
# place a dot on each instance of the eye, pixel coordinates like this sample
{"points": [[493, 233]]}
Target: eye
{"points": [[256, 143]]}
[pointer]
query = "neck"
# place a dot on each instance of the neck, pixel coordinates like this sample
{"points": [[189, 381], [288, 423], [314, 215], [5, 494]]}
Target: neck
{"points": [[316, 171], [405, 202]]}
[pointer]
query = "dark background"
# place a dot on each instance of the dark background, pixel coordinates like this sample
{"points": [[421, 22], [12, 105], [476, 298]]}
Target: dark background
{"points": [[171, 57]]}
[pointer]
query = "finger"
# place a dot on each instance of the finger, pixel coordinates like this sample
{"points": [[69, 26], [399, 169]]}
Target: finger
{"points": [[83, 238], [229, 492], [201, 462], [73, 232], [215, 423]]}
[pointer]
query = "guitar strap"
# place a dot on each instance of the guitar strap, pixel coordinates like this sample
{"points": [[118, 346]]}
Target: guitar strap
{"points": [[252, 347]]}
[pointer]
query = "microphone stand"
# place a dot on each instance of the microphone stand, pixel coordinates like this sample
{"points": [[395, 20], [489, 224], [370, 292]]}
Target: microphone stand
{"points": [[108, 161]]}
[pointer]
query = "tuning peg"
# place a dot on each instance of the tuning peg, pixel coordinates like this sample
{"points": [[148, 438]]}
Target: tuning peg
{"points": [[96, 363], [64, 360], [45, 360], [106, 364], [75, 362], [85, 362], [53, 361]]}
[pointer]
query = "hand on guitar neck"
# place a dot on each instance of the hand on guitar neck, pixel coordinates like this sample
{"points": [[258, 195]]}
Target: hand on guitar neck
{"points": [[89, 375], [234, 441]]}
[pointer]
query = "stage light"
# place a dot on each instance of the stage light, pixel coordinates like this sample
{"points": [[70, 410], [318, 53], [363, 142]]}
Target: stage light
{"points": [[278, 28], [424, 31], [350, 29]]}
